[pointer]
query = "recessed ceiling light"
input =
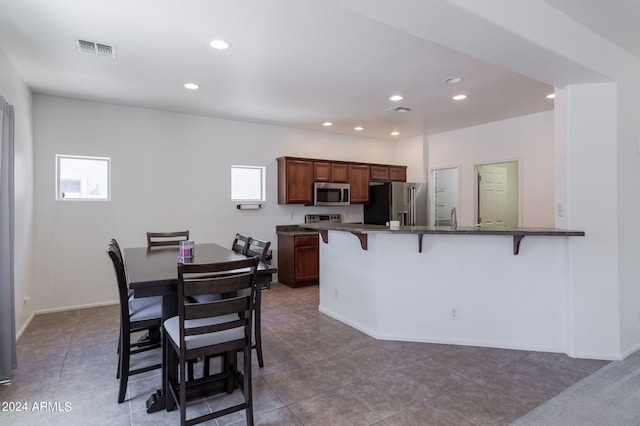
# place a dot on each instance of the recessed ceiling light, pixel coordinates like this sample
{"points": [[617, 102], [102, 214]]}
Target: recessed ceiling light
{"points": [[453, 79], [191, 86], [358, 128], [460, 97], [395, 98], [551, 96], [220, 44], [327, 124], [395, 133]]}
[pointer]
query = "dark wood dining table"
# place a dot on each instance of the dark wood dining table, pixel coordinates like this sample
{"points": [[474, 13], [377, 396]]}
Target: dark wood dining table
{"points": [[154, 272]]}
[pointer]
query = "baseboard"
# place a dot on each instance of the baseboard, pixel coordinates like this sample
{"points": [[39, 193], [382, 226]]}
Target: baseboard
{"points": [[24, 326], [441, 340], [75, 307]]}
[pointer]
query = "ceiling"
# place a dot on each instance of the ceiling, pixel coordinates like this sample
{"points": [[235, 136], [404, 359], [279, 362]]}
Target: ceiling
{"points": [[292, 63]]}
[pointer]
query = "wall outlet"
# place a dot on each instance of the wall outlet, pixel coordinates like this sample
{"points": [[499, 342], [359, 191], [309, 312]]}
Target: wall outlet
{"points": [[454, 314], [335, 294], [27, 299]]}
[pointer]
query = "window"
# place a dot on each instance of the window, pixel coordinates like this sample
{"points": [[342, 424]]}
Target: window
{"points": [[248, 183], [82, 178]]}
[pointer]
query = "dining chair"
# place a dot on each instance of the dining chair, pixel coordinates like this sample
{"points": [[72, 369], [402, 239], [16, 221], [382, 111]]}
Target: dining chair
{"points": [[240, 243], [157, 239], [258, 248], [136, 315], [220, 327]]}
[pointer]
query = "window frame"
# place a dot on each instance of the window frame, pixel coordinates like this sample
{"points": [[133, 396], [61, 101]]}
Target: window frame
{"points": [[262, 183], [58, 179]]}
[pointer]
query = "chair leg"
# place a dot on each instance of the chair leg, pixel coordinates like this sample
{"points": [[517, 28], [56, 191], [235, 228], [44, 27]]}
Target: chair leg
{"points": [[258, 328], [183, 392], [123, 364], [171, 373], [246, 387]]}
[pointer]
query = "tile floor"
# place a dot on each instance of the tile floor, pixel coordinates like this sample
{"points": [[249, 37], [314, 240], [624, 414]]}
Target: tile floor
{"points": [[318, 371]]}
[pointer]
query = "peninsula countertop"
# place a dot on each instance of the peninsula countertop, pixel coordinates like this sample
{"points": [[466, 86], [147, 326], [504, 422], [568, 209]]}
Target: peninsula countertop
{"points": [[361, 231]]}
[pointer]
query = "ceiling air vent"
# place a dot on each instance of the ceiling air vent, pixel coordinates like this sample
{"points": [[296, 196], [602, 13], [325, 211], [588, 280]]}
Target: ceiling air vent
{"points": [[398, 108], [97, 49]]}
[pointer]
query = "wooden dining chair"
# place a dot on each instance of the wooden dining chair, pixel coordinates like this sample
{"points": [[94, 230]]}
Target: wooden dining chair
{"points": [[220, 327], [158, 239], [260, 249], [136, 315], [240, 243]]}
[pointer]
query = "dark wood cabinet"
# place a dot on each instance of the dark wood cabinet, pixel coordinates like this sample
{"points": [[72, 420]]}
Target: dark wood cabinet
{"points": [[379, 173], [297, 175], [359, 180], [298, 260], [295, 181], [339, 172], [324, 171], [398, 173], [321, 171]]}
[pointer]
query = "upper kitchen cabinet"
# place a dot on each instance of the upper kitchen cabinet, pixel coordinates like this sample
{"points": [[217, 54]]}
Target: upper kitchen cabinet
{"points": [[339, 173], [388, 173], [398, 173], [359, 180], [325, 171], [379, 172], [295, 181]]}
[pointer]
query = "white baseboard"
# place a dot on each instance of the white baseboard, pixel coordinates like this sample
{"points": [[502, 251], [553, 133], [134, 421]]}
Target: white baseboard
{"points": [[73, 308], [25, 325]]}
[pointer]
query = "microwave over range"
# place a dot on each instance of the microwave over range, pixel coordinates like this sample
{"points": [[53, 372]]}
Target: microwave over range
{"points": [[331, 194]]}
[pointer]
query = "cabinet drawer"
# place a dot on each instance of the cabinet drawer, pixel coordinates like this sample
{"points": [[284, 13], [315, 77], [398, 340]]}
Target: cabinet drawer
{"points": [[306, 240]]}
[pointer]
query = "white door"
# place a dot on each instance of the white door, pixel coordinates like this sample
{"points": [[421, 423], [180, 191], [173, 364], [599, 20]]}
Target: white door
{"points": [[493, 195]]}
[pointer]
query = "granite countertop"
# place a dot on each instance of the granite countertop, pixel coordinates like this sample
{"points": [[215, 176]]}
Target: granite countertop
{"points": [[461, 230], [294, 230]]}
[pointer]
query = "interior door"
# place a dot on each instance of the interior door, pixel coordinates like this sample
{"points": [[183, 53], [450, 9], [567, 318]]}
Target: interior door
{"points": [[493, 195], [497, 197]]}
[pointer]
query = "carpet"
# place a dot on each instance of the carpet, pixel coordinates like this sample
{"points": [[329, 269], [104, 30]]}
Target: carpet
{"points": [[610, 396]]}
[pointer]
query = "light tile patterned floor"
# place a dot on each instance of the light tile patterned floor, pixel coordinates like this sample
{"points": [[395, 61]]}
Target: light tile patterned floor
{"points": [[318, 371]]}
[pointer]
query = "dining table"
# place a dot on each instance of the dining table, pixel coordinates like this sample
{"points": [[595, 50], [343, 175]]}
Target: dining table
{"points": [[153, 271]]}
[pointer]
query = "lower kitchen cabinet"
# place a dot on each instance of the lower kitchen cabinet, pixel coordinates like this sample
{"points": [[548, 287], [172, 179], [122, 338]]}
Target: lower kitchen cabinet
{"points": [[298, 259]]}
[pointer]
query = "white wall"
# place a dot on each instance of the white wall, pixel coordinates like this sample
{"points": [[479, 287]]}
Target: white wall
{"points": [[169, 172], [527, 139], [16, 92]]}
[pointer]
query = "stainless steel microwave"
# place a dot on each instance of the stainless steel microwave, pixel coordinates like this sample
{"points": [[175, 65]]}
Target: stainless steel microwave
{"points": [[331, 194]]}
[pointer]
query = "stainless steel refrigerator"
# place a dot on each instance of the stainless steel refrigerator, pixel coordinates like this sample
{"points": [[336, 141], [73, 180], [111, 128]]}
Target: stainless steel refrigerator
{"points": [[401, 201]]}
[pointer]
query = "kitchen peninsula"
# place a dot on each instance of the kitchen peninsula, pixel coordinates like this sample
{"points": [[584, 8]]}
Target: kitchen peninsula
{"points": [[470, 286]]}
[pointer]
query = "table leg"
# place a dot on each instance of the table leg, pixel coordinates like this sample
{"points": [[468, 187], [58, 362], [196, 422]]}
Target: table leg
{"points": [[158, 400]]}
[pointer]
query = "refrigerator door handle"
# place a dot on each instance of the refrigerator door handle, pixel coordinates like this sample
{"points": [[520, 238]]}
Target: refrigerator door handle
{"points": [[412, 205]]}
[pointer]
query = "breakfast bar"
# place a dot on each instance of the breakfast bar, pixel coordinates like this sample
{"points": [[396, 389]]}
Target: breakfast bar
{"points": [[449, 285]]}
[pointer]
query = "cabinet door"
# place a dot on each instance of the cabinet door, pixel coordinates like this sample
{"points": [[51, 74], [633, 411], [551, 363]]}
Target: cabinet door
{"points": [[339, 173], [380, 173], [359, 180], [321, 171], [307, 263], [299, 182], [398, 173]]}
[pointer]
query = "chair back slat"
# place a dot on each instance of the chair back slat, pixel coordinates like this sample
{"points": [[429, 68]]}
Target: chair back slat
{"points": [[258, 248], [157, 239], [227, 283], [225, 306], [240, 243], [193, 331]]}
